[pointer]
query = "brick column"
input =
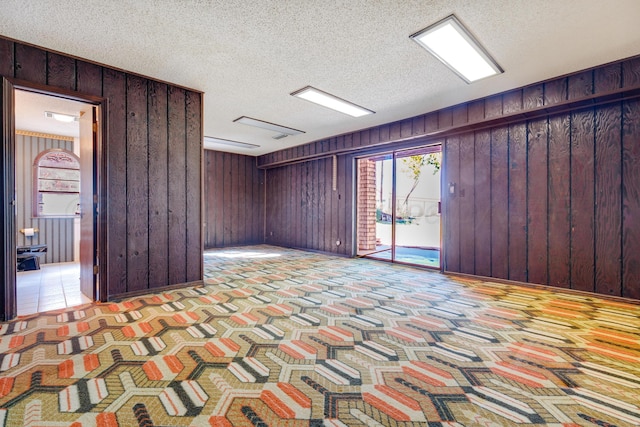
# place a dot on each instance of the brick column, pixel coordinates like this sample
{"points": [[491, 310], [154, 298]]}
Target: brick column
{"points": [[366, 204]]}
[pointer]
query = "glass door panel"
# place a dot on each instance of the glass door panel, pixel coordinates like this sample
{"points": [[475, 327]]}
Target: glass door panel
{"points": [[417, 216]]}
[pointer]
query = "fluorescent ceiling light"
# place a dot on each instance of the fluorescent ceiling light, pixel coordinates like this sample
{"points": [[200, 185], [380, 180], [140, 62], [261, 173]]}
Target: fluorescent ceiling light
{"points": [[210, 142], [452, 44], [268, 126], [65, 118], [329, 101]]}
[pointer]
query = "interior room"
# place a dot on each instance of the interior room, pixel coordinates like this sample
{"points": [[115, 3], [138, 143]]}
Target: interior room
{"points": [[320, 214], [48, 222]]}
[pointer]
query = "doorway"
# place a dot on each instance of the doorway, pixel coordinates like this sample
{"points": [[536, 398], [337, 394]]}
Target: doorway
{"points": [[52, 147], [399, 206]]}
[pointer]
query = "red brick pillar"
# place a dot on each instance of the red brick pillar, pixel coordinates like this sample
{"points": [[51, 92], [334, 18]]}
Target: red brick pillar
{"points": [[366, 204]]}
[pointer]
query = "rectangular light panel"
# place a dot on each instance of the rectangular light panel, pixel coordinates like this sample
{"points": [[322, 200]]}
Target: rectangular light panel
{"points": [[61, 117], [327, 100], [268, 126], [211, 142], [452, 44]]}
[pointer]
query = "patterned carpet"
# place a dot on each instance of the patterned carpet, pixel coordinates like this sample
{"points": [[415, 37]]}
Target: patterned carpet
{"points": [[288, 338]]}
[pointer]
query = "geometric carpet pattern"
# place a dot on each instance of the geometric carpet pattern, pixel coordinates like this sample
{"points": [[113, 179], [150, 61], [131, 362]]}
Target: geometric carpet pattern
{"points": [[279, 337]]}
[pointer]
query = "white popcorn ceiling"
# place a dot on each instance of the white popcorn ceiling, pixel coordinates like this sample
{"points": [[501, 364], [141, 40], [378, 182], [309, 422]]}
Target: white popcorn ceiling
{"points": [[248, 56]]}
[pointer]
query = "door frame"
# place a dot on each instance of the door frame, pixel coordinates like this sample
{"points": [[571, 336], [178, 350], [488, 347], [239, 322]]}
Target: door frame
{"points": [[394, 153], [8, 308]]}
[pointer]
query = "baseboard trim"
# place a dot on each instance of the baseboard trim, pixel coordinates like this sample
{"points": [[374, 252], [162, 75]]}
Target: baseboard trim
{"points": [[118, 297], [616, 298]]}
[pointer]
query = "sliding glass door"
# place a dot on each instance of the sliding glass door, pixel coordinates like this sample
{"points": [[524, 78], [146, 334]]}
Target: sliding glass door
{"points": [[403, 224]]}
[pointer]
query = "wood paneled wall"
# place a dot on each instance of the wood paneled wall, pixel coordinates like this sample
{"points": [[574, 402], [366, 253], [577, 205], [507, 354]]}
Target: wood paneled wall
{"points": [[549, 201], [234, 200], [152, 204], [56, 233], [546, 182], [303, 210]]}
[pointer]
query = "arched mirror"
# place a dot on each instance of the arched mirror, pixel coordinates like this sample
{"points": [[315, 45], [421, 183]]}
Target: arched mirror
{"points": [[56, 184]]}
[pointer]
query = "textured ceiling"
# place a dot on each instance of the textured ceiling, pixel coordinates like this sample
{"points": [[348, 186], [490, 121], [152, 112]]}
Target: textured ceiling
{"points": [[248, 56]]}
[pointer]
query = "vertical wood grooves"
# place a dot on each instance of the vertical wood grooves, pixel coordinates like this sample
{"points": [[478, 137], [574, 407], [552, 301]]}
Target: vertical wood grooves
{"points": [[517, 203], [158, 174], [137, 195], [572, 198], [303, 211], [152, 184], [233, 194], [631, 199], [193, 183], [499, 203]]}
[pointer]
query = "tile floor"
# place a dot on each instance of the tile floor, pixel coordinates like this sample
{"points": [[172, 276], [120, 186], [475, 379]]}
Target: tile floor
{"points": [[52, 287]]}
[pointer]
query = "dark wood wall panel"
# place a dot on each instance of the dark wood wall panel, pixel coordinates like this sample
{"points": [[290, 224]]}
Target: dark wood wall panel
{"points": [[517, 202], [559, 220], [228, 173], [482, 211], [7, 61], [158, 179], [467, 205], [255, 212], [177, 187], [312, 196], [302, 206], [233, 232], [303, 210], [216, 214], [499, 203], [631, 72], [193, 205], [286, 233], [30, 63], [631, 198], [274, 210], [580, 85], [537, 201], [582, 201], [153, 134], [523, 197], [234, 200], [61, 71], [563, 211], [555, 91], [115, 89], [608, 199], [138, 195], [533, 96], [89, 78]]}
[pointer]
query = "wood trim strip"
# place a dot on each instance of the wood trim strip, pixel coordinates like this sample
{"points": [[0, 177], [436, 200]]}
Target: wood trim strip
{"points": [[44, 135]]}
